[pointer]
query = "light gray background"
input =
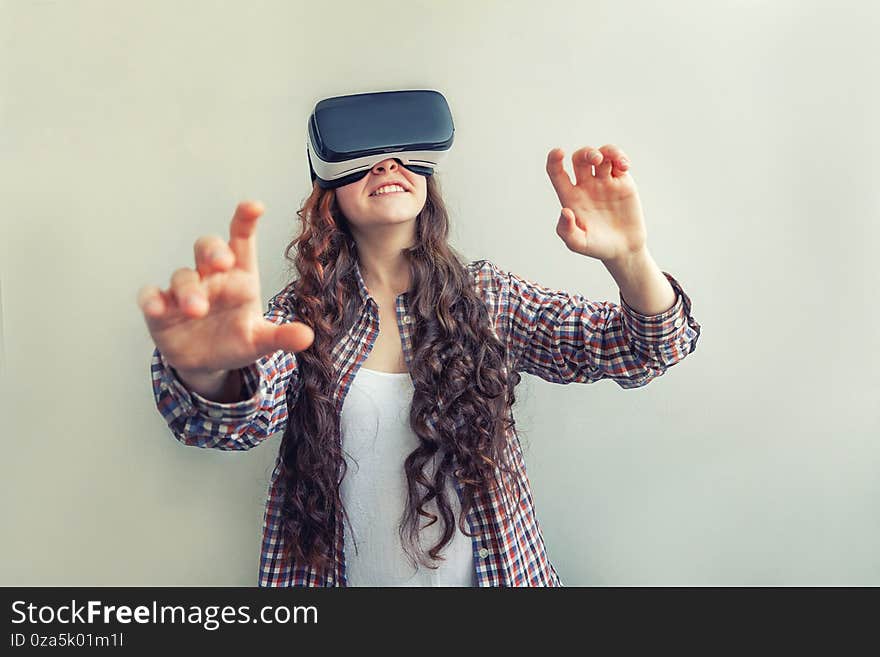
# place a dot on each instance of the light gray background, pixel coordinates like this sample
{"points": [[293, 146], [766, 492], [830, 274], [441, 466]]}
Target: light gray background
{"points": [[129, 129]]}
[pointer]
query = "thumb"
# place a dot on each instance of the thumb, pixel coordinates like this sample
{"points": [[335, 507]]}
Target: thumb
{"points": [[569, 220], [292, 336], [566, 223]]}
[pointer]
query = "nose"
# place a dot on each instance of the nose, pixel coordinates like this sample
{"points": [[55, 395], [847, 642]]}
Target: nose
{"points": [[386, 165]]}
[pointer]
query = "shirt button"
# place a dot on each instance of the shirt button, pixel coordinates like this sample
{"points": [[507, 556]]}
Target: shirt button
{"points": [[483, 553], [407, 319], [678, 322]]}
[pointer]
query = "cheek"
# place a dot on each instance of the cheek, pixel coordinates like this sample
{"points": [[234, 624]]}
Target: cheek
{"points": [[346, 199]]}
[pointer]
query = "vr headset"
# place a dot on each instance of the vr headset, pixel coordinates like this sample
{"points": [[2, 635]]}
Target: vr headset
{"points": [[348, 135]]}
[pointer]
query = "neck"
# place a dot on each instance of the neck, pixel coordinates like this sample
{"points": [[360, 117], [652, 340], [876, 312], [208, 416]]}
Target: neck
{"points": [[386, 271]]}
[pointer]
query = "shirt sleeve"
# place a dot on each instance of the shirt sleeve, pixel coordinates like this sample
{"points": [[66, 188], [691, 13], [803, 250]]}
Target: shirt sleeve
{"points": [[199, 422], [564, 337]]}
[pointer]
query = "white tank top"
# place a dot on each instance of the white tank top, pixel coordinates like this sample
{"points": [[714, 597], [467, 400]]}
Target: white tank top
{"points": [[376, 439]]}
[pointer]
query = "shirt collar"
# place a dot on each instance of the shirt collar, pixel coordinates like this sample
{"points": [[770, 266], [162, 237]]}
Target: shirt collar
{"points": [[362, 287]]}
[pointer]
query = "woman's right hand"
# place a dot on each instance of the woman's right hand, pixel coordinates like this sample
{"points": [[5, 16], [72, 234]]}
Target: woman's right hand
{"points": [[210, 320]]}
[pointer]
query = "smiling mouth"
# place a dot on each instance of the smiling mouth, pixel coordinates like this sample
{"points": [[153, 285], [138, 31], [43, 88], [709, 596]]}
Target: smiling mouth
{"points": [[386, 194]]}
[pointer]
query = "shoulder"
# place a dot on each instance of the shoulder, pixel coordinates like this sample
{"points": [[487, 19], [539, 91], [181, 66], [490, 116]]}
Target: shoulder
{"points": [[488, 277], [284, 300]]}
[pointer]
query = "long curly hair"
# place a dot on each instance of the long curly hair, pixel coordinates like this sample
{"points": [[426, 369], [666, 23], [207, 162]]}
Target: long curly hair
{"points": [[463, 387]]}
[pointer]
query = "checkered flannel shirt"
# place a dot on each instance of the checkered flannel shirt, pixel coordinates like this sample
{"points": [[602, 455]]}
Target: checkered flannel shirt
{"points": [[556, 335]]}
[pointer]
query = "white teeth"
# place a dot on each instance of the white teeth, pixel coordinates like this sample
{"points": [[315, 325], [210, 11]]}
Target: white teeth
{"points": [[387, 189]]}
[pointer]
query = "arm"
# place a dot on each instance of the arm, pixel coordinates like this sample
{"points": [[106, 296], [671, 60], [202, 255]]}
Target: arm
{"points": [[642, 283], [564, 338], [261, 412], [224, 387]]}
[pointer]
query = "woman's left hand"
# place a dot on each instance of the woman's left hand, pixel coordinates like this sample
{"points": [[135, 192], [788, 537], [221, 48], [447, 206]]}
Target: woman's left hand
{"points": [[601, 214]]}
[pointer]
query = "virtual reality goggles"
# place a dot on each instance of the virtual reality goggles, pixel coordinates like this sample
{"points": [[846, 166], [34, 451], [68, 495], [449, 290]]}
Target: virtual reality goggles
{"points": [[348, 135]]}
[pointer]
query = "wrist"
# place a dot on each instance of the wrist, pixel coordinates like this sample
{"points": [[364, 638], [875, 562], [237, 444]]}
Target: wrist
{"points": [[628, 262], [210, 385], [225, 389], [209, 376]]}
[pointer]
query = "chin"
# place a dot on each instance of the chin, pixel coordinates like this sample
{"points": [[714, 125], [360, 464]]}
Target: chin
{"points": [[397, 215], [399, 219]]}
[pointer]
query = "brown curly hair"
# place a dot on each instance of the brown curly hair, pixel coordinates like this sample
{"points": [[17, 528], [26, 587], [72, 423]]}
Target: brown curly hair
{"points": [[459, 367]]}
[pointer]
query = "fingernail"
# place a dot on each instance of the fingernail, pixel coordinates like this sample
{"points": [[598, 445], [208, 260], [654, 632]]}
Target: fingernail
{"points": [[192, 300], [153, 307]]}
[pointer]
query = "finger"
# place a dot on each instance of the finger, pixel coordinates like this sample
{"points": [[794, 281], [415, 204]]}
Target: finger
{"points": [[603, 170], [292, 336], [618, 160], [583, 160], [212, 254], [242, 235], [151, 302], [558, 175], [189, 293]]}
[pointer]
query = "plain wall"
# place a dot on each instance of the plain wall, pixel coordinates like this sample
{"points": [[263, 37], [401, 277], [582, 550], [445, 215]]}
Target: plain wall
{"points": [[131, 129]]}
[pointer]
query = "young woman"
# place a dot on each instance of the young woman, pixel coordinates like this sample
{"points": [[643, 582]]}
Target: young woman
{"points": [[390, 366]]}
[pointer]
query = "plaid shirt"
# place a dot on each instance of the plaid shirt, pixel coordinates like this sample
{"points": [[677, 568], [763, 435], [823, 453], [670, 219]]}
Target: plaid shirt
{"points": [[553, 334]]}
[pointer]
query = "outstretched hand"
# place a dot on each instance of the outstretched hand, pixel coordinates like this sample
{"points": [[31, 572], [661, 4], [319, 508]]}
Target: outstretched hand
{"points": [[211, 319], [601, 213]]}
